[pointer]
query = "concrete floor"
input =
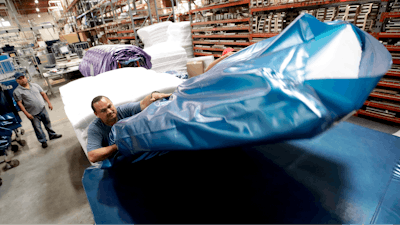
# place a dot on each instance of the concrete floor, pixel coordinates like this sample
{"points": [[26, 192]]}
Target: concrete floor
{"points": [[46, 187]]}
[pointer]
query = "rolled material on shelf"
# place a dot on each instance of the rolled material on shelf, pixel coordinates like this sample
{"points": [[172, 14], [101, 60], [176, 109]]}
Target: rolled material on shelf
{"points": [[154, 34], [104, 58]]}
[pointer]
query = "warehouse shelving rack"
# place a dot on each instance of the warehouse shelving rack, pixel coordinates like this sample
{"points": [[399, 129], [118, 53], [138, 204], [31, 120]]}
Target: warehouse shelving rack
{"points": [[377, 100], [214, 37], [255, 6], [107, 23], [384, 102]]}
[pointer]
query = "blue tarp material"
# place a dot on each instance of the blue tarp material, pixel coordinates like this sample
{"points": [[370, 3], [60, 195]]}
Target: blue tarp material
{"points": [[295, 85], [347, 175]]}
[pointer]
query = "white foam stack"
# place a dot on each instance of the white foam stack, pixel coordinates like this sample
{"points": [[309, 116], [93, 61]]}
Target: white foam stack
{"points": [[167, 56], [154, 34], [170, 52], [181, 34]]}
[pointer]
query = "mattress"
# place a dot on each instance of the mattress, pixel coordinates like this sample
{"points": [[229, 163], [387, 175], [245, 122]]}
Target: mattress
{"points": [[120, 86]]}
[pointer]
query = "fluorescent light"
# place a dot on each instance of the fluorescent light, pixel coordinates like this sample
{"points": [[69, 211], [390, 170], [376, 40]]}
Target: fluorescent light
{"points": [[38, 15], [37, 9], [6, 24]]}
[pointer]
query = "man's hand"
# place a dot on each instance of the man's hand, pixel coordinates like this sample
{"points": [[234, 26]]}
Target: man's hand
{"points": [[50, 106], [152, 98], [29, 116], [156, 96], [227, 55], [219, 60]]}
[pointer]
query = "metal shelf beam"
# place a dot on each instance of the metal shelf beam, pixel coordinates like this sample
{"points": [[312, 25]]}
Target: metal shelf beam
{"points": [[382, 106], [222, 43], [391, 119], [310, 4], [221, 36], [221, 21], [223, 5], [222, 28]]}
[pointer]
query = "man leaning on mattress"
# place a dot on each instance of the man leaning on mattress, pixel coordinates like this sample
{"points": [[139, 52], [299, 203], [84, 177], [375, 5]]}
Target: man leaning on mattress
{"points": [[107, 115]]}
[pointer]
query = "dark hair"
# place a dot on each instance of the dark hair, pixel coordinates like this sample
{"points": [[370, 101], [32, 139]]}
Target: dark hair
{"points": [[97, 99]]}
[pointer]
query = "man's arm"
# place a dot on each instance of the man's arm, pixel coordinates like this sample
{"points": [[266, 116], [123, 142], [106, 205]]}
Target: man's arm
{"points": [[101, 154], [152, 98], [47, 100], [218, 60], [19, 103]]}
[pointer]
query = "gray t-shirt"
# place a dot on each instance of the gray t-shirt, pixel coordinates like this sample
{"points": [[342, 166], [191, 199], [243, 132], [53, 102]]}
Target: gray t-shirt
{"points": [[31, 98]]}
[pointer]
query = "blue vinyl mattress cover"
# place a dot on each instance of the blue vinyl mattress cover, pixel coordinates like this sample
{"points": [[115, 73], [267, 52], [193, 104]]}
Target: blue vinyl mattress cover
{"points": [[295, 85]]}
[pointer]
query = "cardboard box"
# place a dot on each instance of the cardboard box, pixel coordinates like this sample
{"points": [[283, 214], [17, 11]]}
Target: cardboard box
{"points": [[195, 68], [70, 38]]}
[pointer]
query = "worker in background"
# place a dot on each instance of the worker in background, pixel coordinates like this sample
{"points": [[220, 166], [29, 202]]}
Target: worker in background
{"points": [[30, 98], [107, 115], [226, 53]]}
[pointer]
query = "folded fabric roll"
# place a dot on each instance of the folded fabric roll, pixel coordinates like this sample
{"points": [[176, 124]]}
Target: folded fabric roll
{"points": [[104, 58], [295, 85]]}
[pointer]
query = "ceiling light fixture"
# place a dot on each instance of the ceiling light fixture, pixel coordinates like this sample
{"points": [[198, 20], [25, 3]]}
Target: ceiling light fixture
{"points": [[37, 9], [36, 1]]}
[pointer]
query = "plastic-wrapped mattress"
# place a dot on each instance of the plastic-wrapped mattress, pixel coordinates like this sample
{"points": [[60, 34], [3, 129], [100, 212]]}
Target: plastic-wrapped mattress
{"points": [[295, 85], [104, 58]]}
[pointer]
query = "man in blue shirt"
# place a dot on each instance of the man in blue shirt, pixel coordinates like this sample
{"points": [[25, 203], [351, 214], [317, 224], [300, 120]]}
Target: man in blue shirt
{"points": [[107, 115]]}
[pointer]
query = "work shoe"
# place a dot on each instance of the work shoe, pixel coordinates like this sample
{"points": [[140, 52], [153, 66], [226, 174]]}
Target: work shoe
{"points": [[44, 144], [55, 136]]}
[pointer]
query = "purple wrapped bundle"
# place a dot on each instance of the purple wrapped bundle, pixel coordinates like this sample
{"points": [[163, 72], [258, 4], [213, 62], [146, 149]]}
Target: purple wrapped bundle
{"points": [[104, 58]]}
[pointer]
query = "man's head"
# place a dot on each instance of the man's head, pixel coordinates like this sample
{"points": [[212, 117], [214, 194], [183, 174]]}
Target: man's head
{"points": [[105, 110], [20, 78]]}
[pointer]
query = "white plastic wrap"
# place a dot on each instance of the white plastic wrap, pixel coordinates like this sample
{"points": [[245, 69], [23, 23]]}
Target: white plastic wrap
{"points": [[154, 34], [121, 86]]}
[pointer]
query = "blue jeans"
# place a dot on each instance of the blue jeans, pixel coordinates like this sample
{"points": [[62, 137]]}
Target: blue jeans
{"points": [[43, 117]]}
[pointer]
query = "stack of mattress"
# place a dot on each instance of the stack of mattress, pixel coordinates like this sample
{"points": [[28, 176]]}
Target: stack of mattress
{"points": [[166, 54], [154, 34], [181, 34], [104, 58]]}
